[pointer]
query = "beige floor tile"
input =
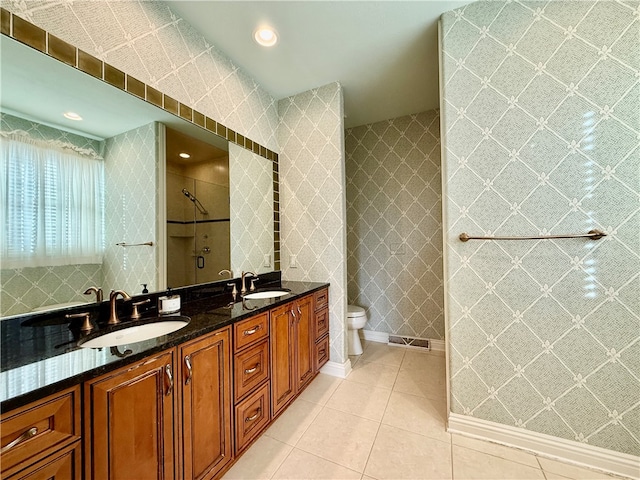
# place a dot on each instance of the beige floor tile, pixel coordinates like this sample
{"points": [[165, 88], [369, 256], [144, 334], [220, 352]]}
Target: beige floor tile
{"points": [[473, 465], [382, 353], [571, 471], [289, 427], [320, 389], [418, 415], [374, 374], [418, 359], [340, 437], [553, 476], [360, 399], [261, 461], [354, 359], [424, 383], [301, 464], [497, 450], [400, 454]]}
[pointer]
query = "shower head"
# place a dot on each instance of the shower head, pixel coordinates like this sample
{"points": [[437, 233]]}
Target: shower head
{"points": [[188, 194], [195, 201]]}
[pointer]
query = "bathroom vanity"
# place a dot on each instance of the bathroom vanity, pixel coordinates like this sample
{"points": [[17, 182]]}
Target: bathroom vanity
{"points": [[184, 405]]}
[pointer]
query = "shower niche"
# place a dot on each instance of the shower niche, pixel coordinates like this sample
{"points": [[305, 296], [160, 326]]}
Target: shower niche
{"points": [[198, 214]]}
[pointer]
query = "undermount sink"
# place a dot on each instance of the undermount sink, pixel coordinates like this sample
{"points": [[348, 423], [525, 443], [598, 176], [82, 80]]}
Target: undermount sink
{"points": [[124, 334], [266, 294]]}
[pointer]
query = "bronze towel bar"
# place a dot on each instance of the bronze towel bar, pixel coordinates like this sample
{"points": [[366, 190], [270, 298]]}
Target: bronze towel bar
{"points": [[592, 234]]}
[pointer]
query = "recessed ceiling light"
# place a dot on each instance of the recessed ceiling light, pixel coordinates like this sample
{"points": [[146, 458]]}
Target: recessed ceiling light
{"points": [[266, 36], [185, 155], [72, 116]]}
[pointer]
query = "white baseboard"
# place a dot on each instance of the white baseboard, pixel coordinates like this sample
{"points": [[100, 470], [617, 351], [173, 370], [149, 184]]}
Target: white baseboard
{"points": [[546, 445], [372, 336], [438, 345], [335, 369]]}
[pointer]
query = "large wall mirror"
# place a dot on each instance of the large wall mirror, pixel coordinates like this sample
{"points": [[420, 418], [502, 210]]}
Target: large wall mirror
{"points": [[147, 216]]}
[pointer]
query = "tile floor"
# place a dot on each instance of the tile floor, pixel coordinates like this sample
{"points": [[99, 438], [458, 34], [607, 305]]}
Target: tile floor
{"points": [[385, 421]]}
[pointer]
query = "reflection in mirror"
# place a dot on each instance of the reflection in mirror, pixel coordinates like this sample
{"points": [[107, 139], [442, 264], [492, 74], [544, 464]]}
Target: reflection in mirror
{"points": [[251, 179], [129, 133], [198, 235]]}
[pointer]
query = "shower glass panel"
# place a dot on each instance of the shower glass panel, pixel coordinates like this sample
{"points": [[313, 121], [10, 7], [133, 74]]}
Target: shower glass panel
{"points": [[198, 238]]}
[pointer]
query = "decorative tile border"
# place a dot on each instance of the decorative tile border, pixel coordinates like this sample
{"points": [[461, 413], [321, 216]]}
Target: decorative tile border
{"points": [[35, 37]]}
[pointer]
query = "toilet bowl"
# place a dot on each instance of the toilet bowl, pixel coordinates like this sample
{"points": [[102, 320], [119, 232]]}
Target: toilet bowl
{"points": [[356, 319]]}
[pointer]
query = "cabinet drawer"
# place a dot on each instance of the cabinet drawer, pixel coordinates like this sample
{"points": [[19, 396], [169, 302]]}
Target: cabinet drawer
{"points": [[252, 415], [251, 368], [64, 465], [321, 299], [321, 352], [39, 429], [250, 331], [321, 323]]}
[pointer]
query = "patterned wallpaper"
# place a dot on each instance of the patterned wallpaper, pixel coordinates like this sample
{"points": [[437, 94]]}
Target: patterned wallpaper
{"points": [[23, 289], [394, 219], [312, 186], [131, 210], [542, 135], [39, 131], [251, 194], [148, 41]]}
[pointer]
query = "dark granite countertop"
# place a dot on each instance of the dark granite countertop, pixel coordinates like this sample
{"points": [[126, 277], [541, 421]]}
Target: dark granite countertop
{"points": [[40, 355]]}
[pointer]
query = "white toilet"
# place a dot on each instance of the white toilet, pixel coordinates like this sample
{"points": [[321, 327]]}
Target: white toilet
{"points": [[356, 319]]}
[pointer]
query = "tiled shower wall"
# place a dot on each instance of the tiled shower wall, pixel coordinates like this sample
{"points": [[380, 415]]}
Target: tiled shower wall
{"points": [[394, 218], [147, 41], [312, 186], [541, 130], [131, 210], [23, 289]]}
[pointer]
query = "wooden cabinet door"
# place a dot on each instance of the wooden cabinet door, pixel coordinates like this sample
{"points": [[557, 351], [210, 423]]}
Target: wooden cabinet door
{"points": [[129, 417], [282, 357], [205, 375], [305, 340]]}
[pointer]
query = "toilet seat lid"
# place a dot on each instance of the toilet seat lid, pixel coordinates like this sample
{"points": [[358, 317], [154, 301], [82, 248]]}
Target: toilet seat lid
{"points": [[355, 311]]}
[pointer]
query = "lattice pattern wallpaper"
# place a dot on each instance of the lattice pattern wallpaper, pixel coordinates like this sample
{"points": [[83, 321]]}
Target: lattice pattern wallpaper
{"points": [[131, 210], [312, 186], [148, 41], [251, 180], [542, 135], [394, 218], [23, 289]]}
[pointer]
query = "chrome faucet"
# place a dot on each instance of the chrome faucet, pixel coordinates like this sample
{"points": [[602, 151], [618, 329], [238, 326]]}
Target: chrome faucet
{"points": [[97, 291], [244, 285], [113, 312]]}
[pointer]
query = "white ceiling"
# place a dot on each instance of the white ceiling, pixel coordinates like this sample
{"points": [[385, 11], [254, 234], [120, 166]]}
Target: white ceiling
{"points": [[384, 53]]}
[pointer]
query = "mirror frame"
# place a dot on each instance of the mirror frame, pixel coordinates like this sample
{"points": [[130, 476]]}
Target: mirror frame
{"points": [[39, 39]]}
